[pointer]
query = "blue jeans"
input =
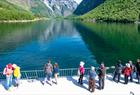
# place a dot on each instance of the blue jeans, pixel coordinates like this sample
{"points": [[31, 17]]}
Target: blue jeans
{"points": [[48, 76], [16, 81], [8, 81]]}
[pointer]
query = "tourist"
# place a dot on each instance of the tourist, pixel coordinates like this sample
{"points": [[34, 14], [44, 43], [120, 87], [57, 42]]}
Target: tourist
{"points": [[126, 72], [48, 68], [91, 82], [81, 70], [118, 71], [101, 75], [138, 70], [55, 71], [8, 72], [132, 69], [17, 75]]}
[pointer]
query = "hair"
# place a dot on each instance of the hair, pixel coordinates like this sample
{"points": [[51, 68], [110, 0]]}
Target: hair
{"points": [[56, 65]]}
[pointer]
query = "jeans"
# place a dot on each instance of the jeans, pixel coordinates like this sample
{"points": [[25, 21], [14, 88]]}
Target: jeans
{"points": [[8, 81], [101, 82], [118, 75], [16, 81], [131, 76], [48, 77]]}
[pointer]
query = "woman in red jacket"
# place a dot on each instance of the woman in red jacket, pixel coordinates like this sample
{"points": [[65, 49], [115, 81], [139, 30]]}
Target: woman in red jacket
{"points": [[126, 72]]}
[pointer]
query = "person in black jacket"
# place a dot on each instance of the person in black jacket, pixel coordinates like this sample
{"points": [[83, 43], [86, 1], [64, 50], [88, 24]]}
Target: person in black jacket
{"points": [[117, 72], [138, 70], [101, 75]]}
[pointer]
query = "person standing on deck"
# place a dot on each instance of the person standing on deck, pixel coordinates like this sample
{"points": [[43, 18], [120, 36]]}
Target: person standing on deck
{"points": [[91, 82], [8, 72], [132, 69], [56, 72], [126, 72], [118, 71], [82, 71], [48, 68], [16, 74], [101, 75], [138, 70]]}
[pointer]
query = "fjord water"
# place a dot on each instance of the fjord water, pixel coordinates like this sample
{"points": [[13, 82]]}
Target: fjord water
{"points": [[30, 45]]}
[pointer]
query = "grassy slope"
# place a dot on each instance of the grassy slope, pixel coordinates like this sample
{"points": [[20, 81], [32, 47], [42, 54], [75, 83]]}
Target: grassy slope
{"points": [[37, 7], [116, 10], [24, 4], [9, 11]]}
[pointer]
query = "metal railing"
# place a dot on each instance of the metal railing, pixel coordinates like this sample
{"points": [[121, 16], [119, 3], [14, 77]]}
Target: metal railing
{"points": [[35, 74]]}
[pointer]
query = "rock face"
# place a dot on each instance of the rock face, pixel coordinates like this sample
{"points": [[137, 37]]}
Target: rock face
{"points": [[61, 7], [49, 8], [86, 6]]}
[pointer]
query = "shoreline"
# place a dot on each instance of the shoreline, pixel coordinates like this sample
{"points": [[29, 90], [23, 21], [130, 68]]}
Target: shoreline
{"points": [[22, 21], [94, 20]]}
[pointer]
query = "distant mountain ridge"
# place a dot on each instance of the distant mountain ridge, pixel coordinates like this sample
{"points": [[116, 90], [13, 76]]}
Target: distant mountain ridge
{"points": [[116, 11], [49, 8], [61, 7]]}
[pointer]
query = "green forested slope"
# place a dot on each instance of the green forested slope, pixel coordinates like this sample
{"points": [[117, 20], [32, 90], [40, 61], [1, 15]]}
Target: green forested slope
{"points": [[9, 11], [116, 10], [37, 7]]}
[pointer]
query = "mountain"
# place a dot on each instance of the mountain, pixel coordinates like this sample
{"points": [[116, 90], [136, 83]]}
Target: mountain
{"points": [[37, 7], [61, 7], [9, 11], [86, 6], [116, 10], [49, 8]]}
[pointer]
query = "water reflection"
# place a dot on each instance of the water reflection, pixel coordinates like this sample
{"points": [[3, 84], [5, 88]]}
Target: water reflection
{"points": [[110, 42], [31, 44]]}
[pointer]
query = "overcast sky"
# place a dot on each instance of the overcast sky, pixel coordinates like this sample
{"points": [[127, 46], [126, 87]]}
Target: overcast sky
{"points": [[78, 1]]}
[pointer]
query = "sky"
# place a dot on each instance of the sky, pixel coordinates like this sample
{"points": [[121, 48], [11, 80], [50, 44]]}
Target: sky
{"points": [[78, 1]]}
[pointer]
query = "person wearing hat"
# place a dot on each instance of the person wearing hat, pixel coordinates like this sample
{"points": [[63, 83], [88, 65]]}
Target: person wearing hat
{"points": [[81, 70], [126, 72], [16, 74], [91, 81], [8, 72]]}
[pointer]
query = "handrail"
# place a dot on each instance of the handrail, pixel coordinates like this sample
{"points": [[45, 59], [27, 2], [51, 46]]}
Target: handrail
{"points": [[35, 74]]}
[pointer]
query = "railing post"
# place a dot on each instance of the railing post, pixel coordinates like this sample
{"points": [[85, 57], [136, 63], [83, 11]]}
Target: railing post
{"points": [[36, 74], [26, 75], [71, 71]]}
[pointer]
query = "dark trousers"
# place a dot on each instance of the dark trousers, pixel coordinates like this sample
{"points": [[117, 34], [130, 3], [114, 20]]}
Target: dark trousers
{"points": [[101, 82], [131, 76], [91, 85], [81, 79], [126, 79], [117, 75], [138, 77]]}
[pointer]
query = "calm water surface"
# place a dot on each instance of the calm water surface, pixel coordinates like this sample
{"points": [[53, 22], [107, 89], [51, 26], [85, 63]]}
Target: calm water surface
{"points": [[30, 45]]}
